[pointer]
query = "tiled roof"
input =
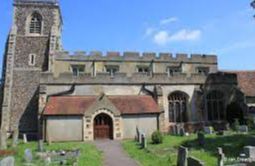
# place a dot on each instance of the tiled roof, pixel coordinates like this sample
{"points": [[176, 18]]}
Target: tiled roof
{"points": [[78, 105], [246, 81], [135, 104]]}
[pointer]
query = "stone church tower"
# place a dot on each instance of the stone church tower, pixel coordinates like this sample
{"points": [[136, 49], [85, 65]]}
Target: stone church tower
{"points": [[34, 36]]}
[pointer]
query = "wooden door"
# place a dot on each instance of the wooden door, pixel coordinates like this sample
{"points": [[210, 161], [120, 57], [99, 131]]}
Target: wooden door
{"points": [[103, 128]]}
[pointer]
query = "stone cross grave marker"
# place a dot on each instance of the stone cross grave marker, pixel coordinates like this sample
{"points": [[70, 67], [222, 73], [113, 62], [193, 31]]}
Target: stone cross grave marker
{"points": [[182, 156], [28, 156], [7, 161], [192, 161]]}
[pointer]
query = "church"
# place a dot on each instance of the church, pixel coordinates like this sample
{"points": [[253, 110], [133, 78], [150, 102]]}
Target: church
{"points": [[51, 94]]}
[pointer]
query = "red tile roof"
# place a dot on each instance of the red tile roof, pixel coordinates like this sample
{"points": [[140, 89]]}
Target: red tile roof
{"points": [[68, 105], [135, 104], [78, 105]]}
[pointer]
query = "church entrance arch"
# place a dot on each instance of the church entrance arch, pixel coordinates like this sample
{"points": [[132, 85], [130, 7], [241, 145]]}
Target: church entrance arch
{"points": [[103, 126]]}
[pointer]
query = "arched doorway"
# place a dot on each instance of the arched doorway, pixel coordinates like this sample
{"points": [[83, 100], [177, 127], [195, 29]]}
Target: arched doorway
{"points": [[234, 111], [103, 127]]}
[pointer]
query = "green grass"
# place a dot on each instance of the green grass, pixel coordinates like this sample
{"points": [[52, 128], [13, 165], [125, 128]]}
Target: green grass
{"points": [[89, 154], [166, 154]]}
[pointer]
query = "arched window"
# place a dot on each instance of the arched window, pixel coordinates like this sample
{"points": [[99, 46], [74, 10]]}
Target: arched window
{"points": [[215, 105], [178, 107], [35, 26]]}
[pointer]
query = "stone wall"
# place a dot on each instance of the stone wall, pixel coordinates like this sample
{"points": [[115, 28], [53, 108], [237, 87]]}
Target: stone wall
{"points": [[146, 124]]}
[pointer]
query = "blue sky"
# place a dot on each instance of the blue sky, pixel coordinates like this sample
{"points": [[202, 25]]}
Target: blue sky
{"points": [[225, 28]]}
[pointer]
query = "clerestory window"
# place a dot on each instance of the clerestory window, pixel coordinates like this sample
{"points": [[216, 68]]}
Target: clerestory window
{"points": [[77, 69], [112, 70], [171, 71]]}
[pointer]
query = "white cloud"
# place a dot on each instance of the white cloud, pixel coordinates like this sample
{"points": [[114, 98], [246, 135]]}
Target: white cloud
{"points": [[163, 37], [186, 35], [149, 31], [168, 20]]}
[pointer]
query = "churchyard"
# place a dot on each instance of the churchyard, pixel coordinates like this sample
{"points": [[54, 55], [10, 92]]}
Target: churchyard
{"points": [[208, 148], [71, 154]]}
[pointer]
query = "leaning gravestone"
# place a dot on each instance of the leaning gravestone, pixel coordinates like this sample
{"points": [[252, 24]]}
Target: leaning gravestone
{"points": [[182, 156], [208, 130], [144, 141], [221, 157], [192, 161], [243, 129], [249, 152], [28, 156], [24, 138], [7, 161]]}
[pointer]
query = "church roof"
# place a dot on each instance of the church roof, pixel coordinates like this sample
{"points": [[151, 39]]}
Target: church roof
{"points": [[246, 82], [78, 105]]}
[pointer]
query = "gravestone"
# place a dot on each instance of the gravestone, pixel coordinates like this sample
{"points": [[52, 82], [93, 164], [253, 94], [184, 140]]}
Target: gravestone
{"points": [[7, 161], [40, 146], [192, 161], [221, 157], [249, 152], [182, 132], [243, 129], [24, 138], [140, 137], [182, 156], [137, 134], [227, 126], [201, 138], [208, 130], [144, 141], [15, 138], [28, 156]]}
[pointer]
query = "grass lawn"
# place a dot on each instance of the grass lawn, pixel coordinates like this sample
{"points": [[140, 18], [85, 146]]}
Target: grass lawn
{"points": [[166, 154], [89, 154]]}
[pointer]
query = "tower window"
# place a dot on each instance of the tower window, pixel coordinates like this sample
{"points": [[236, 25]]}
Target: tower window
{"points": [[35, 26], [31, 61]]}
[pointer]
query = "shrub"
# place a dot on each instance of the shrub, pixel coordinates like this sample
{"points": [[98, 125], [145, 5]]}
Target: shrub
{"points": [[157, 137], [250, 123], [236, 125]]}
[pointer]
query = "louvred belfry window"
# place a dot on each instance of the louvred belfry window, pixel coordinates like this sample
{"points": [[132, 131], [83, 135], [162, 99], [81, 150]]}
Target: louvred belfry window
{"points": [[35, 26]]}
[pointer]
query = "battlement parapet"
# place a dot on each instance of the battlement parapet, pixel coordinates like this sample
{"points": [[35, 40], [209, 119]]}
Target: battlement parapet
{"points": [[122, 78], [44, 2], [136, 56]]}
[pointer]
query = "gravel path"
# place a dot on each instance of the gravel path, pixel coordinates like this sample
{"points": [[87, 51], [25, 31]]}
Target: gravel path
{"points": [[113, 153]]}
